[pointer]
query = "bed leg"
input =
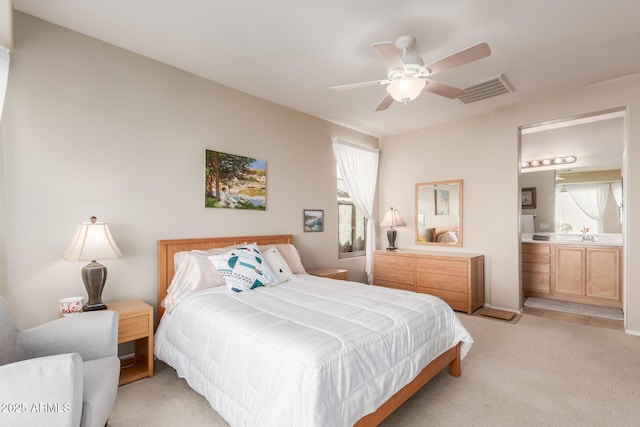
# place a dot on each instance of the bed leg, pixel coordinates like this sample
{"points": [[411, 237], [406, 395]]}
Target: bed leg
{"points": [[454, 366]]}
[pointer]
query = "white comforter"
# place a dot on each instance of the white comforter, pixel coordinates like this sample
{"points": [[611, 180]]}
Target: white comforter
{"points": [[309, 352]]}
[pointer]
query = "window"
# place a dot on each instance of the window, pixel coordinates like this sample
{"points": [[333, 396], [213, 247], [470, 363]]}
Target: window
{"points": [[351, 225]]}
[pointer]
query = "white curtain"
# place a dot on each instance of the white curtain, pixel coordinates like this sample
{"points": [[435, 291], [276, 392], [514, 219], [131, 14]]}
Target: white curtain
{"points": [[591, 199], [358, 166], [4, 75], [616, 189]]}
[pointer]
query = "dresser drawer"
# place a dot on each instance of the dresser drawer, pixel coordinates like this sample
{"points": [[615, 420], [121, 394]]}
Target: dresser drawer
{"points": [[394, 284], [393, 276], [442, 266], [456, 300], [439, 281], [394, 262], [133, 328]]}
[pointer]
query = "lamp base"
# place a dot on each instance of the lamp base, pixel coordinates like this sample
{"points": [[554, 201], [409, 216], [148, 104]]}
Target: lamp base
{"points": [[94, 307], [94, 275], [391, 236]]}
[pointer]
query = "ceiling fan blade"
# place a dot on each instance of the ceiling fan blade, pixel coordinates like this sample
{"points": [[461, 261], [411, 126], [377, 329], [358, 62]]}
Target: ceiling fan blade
{"points": [[386, 102], [358, 85], [390, 53], [457, 59], [443, 89]]}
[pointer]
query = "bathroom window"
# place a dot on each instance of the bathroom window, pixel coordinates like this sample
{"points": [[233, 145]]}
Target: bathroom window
{"points": [[570, 218]]}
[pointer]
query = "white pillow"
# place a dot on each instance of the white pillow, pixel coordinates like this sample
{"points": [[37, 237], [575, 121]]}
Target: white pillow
{"points": [[243, 268], [278, 265], [290, 255], [193, 273]]}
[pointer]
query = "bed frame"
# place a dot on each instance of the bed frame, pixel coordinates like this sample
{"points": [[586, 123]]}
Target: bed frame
{"points": [[166, 270]]}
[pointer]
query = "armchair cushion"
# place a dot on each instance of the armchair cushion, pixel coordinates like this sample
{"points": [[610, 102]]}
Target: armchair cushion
{"points": [[92, 335], [42, 391]]}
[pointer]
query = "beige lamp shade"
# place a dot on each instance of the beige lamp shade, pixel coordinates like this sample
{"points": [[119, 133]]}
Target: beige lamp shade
{"points": [[392, 218], [92, 241]]}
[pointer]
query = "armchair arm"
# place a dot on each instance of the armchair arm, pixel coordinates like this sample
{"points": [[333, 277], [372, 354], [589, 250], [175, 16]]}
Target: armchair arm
{"points": [[42, 391], [92, 335]]}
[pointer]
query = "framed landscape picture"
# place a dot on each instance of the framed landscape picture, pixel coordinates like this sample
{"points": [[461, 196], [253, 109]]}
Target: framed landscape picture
{"points": [[313, 220], [234, 182]]}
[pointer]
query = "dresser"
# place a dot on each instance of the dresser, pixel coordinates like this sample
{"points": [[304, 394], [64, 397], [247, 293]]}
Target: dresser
{"points": [[457, 278]]}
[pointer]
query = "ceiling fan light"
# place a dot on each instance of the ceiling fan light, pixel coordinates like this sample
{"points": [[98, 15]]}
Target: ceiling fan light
{"points": [[406, 89]]}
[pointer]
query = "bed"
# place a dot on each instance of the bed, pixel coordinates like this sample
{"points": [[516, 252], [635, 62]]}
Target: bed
{"points": [[307, 351]]}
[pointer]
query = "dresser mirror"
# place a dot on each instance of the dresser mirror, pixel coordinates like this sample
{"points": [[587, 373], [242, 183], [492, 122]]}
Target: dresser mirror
{"points": [[438, 218]]}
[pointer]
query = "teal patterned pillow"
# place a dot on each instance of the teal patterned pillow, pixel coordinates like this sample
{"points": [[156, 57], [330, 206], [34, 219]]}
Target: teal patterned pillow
{"points": [[243, 268]]}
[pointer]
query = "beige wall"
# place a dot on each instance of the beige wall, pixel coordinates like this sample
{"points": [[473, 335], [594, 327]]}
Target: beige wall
{"points": [[91, 129], [484, 151]]}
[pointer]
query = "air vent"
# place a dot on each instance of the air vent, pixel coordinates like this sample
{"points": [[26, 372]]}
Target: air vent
{"points": [[487, 89]]}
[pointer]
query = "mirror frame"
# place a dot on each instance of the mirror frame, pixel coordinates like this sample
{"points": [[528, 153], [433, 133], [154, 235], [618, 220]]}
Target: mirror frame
{"points": [[435, 184]]}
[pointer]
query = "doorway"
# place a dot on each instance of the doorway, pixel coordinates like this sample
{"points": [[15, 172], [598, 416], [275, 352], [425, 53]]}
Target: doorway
{"points": [[572, 216]]}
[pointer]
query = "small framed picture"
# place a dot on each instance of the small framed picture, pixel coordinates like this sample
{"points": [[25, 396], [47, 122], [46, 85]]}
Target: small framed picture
{"points": [[313, 220], [529, 198]]}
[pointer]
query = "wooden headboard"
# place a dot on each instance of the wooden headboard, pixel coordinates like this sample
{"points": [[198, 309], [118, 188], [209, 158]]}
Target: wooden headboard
{"points": [[168, 248]]}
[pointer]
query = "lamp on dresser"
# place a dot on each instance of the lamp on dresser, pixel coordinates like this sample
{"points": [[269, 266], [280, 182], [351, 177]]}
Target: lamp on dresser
{"points": [[93, 241], [392, 219]]}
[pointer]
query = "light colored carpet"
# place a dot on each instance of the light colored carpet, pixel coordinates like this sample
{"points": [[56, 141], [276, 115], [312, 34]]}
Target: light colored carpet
{"points": [[537, 372], [575, 308]]}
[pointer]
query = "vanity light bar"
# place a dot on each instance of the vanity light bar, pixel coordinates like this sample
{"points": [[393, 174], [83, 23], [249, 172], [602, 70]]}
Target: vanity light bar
{"points": [[549, 162]]}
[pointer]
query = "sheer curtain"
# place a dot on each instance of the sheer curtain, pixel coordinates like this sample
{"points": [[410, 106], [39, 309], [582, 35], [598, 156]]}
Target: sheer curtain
{"points": [[4, 75], [616, 189], [358, 166], [591, 199]]}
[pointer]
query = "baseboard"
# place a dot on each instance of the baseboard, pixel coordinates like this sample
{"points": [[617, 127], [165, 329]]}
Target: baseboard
{"points": [[632, 332]]}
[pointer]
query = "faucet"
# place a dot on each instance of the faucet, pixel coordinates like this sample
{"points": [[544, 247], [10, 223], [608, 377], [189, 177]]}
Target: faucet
{"points": [[588, 238]]}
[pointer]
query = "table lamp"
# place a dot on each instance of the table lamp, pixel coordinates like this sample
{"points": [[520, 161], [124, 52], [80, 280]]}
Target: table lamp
{"points": [[392, 218], [93, 241]]}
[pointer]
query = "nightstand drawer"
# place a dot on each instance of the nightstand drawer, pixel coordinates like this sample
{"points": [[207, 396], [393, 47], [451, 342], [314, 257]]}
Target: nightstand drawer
{"points": [[133, 328]]}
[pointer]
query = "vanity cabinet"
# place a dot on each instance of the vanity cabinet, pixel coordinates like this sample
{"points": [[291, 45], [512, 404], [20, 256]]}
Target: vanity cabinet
{"points": [[583, 273], [589, 273], [456, 278]]}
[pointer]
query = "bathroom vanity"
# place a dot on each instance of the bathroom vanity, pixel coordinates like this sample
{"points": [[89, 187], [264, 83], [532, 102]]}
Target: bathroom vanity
{"points": [[571, 269]]}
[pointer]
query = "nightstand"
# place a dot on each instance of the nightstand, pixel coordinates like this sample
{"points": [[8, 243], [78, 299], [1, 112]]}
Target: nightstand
{"points": [[332, 273], [135, 325]]}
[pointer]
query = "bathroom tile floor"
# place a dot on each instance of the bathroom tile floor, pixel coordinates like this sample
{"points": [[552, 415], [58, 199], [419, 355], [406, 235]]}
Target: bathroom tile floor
{"points": [[582, 319]]}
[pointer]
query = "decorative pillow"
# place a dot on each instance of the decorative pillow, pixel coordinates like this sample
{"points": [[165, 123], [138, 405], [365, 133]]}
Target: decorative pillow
{"points": [[290, 254], [448, 237], [193, 273], [277, 265], [243, 268]]}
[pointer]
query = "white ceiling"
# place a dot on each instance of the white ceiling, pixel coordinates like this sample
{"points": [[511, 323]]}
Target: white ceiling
{"points": [[291, 51]]}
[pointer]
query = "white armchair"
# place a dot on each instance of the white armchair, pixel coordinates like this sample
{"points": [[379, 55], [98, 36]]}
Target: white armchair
{"points": [[61, 373]]}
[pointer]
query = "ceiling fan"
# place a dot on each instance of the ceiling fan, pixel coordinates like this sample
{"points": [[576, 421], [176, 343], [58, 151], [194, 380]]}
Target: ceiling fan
{"points": [[407, 76]]}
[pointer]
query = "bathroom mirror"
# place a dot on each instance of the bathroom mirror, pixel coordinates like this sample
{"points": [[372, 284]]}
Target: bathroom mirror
{"points": [[438, 216]]}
